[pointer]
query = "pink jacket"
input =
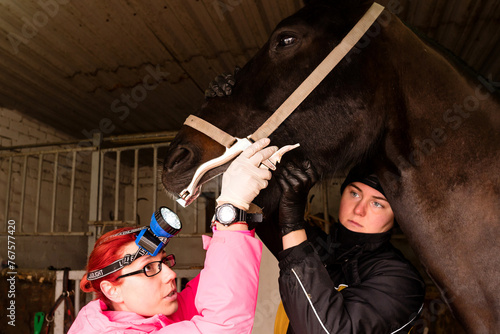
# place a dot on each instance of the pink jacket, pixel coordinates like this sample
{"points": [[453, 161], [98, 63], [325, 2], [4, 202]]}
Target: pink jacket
{"points": [[222, 299]]}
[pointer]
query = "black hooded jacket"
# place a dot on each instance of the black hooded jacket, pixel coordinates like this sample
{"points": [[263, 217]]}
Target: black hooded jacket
{"points": [[349, 282]]}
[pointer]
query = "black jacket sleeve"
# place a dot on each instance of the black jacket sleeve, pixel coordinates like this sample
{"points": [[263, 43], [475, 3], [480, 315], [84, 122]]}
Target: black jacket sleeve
{"points": [[389, 296]]}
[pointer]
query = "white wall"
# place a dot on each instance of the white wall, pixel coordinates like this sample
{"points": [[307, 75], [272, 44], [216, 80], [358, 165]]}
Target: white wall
{"points": [[41, 251], [17, 129]]}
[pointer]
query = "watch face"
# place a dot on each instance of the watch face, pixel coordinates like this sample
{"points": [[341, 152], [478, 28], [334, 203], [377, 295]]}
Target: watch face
{"points": [[226, 214]]}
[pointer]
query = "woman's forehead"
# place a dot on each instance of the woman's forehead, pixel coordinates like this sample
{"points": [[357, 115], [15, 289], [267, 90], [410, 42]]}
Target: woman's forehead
{"points": [[366, 189], [130, 248]]}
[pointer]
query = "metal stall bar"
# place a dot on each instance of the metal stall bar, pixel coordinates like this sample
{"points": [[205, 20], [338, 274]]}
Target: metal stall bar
{"points": [[101, 188], [94, 191], [23, 192], [38, 191], [7, 197], [72, 192], [54, 193], [77, 279]]}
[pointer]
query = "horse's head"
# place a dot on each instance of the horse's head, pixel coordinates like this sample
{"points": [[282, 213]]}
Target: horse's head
{"points": [[326, 124]]}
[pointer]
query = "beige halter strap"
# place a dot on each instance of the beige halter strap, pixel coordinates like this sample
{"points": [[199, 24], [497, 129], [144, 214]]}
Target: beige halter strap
{"points": [[305, 88], [223, 138]]}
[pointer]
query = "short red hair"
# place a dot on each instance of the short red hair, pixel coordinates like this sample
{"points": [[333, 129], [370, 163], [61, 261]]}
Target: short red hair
{"points": [[107, 249]]}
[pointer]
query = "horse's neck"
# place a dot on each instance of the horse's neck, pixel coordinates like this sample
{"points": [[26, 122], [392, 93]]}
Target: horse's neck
{"points": [[442, 161]]}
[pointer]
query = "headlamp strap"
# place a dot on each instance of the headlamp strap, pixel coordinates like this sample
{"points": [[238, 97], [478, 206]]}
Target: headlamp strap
{"points": [[130, 231], [115, 266], [121, 233]]}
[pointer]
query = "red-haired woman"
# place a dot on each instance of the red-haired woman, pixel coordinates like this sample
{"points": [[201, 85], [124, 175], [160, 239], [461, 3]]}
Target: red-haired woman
{"points": [[141, 296]]}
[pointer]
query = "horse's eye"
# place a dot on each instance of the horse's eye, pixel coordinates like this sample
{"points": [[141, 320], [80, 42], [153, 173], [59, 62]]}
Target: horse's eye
{"points": [[286, 41]]}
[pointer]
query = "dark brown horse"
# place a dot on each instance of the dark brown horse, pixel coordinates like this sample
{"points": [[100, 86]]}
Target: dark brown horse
{"points": [[429, 126]]}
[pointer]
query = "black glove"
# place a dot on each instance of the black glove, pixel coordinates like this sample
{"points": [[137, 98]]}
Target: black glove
{"points": [[295, 183], [222, 85]]}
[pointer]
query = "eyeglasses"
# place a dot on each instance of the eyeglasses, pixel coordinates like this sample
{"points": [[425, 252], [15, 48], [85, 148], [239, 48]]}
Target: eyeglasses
{"points": [[153, 268]]}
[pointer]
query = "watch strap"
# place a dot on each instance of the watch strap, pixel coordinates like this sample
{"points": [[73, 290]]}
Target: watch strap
{"points": [[243, 216]]}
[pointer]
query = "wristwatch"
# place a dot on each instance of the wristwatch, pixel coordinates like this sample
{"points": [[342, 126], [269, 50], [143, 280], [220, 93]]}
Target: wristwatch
{"points": [[227, 214]]}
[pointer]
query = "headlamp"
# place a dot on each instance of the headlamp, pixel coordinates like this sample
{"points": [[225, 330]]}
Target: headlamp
{"points": [[151, 240], [164, 225]]}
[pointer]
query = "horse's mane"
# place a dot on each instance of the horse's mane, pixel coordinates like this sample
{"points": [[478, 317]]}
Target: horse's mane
{"points": [[447, 53]]}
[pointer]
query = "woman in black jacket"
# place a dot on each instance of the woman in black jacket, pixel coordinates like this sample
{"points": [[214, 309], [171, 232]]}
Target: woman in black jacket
{"points": [[353, 280]]}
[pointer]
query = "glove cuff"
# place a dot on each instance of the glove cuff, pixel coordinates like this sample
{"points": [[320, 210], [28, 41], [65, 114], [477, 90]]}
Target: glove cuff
{"points": [[285, 229], [239, 204]]}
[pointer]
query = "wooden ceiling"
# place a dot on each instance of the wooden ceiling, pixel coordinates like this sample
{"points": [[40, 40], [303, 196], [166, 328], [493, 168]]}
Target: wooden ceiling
{"points": [[137, 66]]}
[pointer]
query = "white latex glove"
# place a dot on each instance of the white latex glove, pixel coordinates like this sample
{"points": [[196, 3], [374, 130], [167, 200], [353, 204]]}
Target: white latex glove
{"points": [[243, 180]]}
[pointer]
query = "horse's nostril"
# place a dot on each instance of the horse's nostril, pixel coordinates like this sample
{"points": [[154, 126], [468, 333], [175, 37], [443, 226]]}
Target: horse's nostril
{"points": [[176, 157]]}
